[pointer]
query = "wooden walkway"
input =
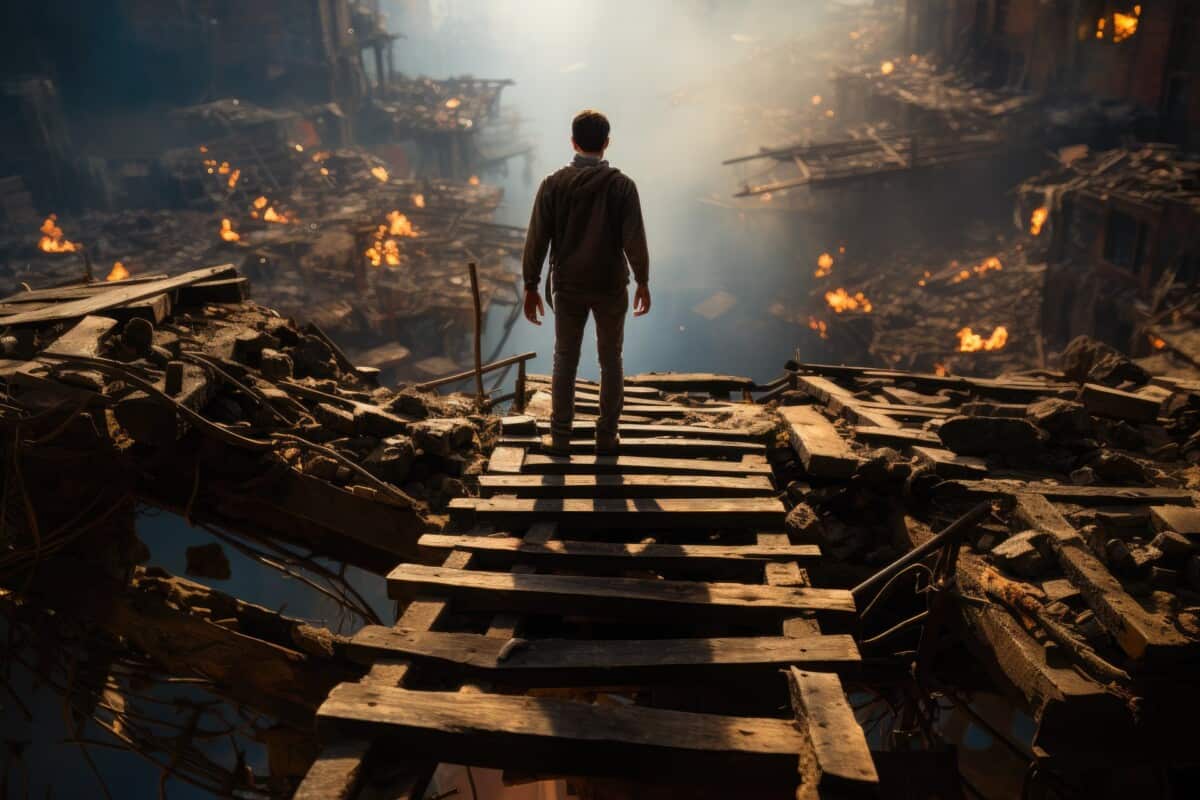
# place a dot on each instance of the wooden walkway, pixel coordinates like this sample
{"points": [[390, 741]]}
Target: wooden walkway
{"points": [[639, 617]]}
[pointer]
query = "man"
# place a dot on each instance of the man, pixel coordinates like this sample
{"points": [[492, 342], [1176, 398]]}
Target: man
{"points": [[588, 216]]}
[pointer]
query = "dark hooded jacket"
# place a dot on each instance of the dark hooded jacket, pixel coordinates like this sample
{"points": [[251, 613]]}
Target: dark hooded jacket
{"points": [[587, 215]]}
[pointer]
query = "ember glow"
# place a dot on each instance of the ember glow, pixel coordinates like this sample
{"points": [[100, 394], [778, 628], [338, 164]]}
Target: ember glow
{"points": [[970, 342], [1157, 343], [52, 240], [1037, 220], [819, 326], [987, 265], [228, 234], [380, 174], [887, 68], [840, 300], [816, 99], [473, 180], [824, 265], [233, 178], [385, 249], [118, 273], [453, 103], [399, 225], [418, 200]]}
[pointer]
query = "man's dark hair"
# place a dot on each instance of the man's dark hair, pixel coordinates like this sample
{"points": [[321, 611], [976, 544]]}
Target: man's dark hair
{"points": [[590, 130]]}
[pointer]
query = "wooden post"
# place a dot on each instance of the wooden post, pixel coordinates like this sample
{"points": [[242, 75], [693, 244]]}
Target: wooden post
{"points": [[471, 268], [519, 400]]}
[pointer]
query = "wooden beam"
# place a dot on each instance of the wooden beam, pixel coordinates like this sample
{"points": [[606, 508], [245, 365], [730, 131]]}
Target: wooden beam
{"points": [[649, 512], [1104, 401], [625, 485], [1066, 493], [1180, 519], [661, 447], [623, 598], [844, 767], [948, 464], [506, 460], [587, 428], [679, 382], [639, 465], [902, 437], [821, 448]]}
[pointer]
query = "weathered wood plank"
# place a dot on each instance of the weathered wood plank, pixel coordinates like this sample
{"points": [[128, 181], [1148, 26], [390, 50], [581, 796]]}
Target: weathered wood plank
{"points": [[843, 761], [821, 448], [639, 465], [720, 560], [587, 428], [544, 382], [615, 597], [896, 436], [1181, 519], [83, 339], [576, 662], [625, 485], [949, 464], [532, 733], [506, 460], [1065, 493], [661, 447], [663, 513], [690, 381], [1143, 635], [1104, 401]]}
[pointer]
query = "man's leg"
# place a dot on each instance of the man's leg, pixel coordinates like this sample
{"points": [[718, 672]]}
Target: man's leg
{"points": [[610, 338], [570, 316]]}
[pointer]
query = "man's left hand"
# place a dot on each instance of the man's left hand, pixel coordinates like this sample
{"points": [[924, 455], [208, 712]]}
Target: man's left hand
{"points": [[533, 306], [641, 300]]}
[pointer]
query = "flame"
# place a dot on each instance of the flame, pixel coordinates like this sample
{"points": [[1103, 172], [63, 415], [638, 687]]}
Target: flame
{"points": [[840, 300], [119, 273], [453, 102], [819, 326], [260, 202], [299, 148], [203, 148], [824, 265], [324, 171], [228, 234], [829, 113], [233, 178], [384, 249], [1038, 219], [1157, 343], [816, 99], [380, 173], [52, 240], [418, 200], [270, 215], [398, 225], [887, 68], [969, 342], [473, 180], [224, 168], [987, 265], [940, 370]]}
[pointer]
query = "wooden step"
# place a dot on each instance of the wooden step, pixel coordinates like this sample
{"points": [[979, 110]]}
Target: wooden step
{"points": [[561, 736], [662, 447], [897, 437], [573, 662], [640, 465], [649, 512], [587, 428], [843, 765], [722, 561], [543, 382], [625, 485], [822, 450], [690, 381], [616, 598]]}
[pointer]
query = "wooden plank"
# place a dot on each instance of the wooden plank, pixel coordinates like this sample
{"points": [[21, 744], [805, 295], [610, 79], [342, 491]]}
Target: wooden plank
{"points": [[1143, 635], [821, 448], [635, 409], [544, 382], [577, 662], [506, 460], [844, 766], [640, 513], [690, 381], [57, 294], [121, 295], [615, 597], [896, 436], [720, 560], [547, 734], [625, 485], [83, 339], [1065, 493], [586, 428], [1104, 401], [948, 464], [662, 447], [1180, 519], [639, 465]]}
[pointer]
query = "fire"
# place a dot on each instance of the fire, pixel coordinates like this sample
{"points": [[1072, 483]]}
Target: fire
{"points": [[887, 68], [398, 225], [969, 342], [203, 148], [228, 234], [385, 249], [940, 370], [840, 300], [816, 99], [418, 200], [1124, 24], [260, 202], [1157, 343], [380, 174], [1038, 219], [233, 178], [453, 103], [299, 148], [52, 240], [824, 265], [270, 215], [118, 273], [224, 168], [473, 180], [819, 326], [989, 264]]}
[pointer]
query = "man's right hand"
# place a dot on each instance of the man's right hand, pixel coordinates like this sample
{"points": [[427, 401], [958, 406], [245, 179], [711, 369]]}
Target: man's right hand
{"points": [[533, 306], [641, 300]]}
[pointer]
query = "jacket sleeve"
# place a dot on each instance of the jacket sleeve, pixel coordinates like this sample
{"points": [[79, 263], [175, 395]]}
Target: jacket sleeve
{"points": [[633, 236], [537, 238]]}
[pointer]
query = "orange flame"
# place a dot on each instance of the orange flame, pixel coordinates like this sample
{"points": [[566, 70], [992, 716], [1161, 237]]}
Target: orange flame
{"points": [[941, 370], [816, 99], [233, 178], [52, 240], [385, 249], [824, 265], [1157, 343], [887, 68], [473, 180], [840, 300], [119, 273], [819, 326], [260, 202], [380, 174], [969, 342], [418, 200], [228, 234], [1038, 219], [987, 265], [398, 225], [453, 103]]}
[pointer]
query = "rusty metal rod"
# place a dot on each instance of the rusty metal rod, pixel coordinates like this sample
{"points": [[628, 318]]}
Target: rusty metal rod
{"points": [[473, 270]]}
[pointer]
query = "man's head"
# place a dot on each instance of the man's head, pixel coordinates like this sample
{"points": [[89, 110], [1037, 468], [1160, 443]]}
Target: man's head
{"points": [[589, 132]]}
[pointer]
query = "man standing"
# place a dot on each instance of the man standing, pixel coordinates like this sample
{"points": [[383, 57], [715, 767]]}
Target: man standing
{"points": [[588, 216]]}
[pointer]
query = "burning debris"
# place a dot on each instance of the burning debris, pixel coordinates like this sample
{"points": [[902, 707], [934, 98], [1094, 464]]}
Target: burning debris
{"points": [[969, 342], [53, 240], [840, 300]]}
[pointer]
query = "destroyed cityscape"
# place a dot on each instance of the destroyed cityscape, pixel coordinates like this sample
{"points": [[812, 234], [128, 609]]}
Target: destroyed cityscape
{"points": [[907, 496]]}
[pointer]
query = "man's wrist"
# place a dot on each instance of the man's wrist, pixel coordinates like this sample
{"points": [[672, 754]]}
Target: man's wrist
{"points": [[531, 287]]}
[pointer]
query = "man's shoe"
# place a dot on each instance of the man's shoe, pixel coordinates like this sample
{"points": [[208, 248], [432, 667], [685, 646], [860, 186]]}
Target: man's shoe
{"points": [[556, 445], [608, 445]]}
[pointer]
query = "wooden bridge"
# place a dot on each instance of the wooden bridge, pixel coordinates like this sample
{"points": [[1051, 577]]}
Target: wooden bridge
{"points": [[640, 617]]}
